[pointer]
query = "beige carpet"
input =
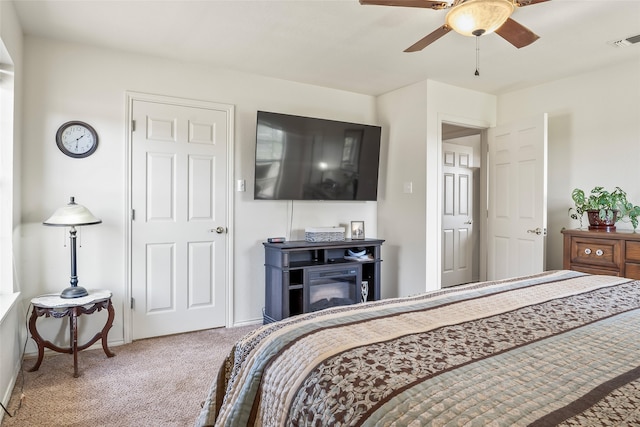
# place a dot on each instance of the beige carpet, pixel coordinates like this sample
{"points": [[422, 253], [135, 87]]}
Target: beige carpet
{"points": [[153, 382]]}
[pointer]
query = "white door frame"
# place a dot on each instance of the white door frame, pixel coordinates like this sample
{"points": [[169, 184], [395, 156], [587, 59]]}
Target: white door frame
{"points": [[483, 126], [138, 96]]}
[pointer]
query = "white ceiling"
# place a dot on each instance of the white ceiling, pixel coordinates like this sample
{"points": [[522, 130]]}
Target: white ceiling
{"points": [[342, 44]]}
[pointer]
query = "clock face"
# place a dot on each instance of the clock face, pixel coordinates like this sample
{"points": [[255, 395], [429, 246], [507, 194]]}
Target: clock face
{"points": [[77, 139]]}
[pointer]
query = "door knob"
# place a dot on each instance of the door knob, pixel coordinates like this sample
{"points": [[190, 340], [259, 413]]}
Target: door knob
{"points": [[469, 222], [218, 230], [537, 231]]}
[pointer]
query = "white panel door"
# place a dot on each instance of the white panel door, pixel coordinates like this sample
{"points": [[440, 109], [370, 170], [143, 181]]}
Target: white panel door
{"points": [[517, 225], [457, 215], [178, 233]]}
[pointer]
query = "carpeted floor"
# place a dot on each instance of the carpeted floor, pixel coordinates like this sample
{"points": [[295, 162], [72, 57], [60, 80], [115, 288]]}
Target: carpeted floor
{"points": [[153, 382]]}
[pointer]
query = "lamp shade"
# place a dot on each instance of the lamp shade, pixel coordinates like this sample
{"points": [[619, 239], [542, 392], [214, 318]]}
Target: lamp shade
{"points": [[478, 17], [72, 214]]}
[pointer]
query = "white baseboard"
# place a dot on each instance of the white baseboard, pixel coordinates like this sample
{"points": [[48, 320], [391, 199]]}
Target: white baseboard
{"points": [[247, 323]]}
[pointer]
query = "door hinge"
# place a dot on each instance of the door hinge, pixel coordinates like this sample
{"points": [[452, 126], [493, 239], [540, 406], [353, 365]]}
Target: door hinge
{"points": [[133, 214], [133, 125], [132, 303]]}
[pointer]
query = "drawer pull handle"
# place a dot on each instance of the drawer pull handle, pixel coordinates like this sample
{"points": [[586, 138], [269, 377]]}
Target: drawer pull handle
{"points": [[599, 252], [587, 251]]}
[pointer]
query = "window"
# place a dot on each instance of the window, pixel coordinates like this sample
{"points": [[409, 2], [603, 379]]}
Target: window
{"points": [[6, 171]]}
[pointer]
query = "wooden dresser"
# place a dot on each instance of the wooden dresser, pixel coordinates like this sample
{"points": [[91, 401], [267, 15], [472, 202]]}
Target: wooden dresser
{"points": [[614, 253]]}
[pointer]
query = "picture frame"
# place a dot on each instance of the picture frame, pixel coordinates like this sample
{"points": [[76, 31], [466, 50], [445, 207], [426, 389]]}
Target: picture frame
{"points": [[357, 230]]}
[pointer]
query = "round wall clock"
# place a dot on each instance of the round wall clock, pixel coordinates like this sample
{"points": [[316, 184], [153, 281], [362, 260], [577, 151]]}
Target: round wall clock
{"points": [[77, 139]]}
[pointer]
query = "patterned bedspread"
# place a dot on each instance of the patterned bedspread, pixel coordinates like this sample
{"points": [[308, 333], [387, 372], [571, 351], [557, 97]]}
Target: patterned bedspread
{"points": [[558, 348]]}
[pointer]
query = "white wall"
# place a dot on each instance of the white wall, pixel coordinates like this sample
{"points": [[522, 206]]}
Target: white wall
{"points": [[594, 138], [75, 82], [411, 223], [401, 216], [453, 105]]}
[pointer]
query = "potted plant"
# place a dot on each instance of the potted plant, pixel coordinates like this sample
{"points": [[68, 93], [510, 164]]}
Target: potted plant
{"points": [[603, 208]]}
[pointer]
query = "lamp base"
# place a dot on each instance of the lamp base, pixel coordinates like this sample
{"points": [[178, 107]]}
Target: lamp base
{"points": [[74, 292]]}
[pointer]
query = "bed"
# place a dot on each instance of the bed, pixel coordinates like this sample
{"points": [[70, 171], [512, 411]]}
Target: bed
{"points": [[557, 348]]}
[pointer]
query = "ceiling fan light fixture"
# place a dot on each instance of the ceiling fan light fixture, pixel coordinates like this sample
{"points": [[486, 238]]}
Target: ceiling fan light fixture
{"points": [[478, 17]]}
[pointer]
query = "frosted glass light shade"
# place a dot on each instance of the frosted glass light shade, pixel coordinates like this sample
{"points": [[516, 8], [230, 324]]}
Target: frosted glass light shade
{"points": [[72, 215], [478, 17]]}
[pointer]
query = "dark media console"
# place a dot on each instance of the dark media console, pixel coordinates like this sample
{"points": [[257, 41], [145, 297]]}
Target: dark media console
{"points": [[302, 276]]}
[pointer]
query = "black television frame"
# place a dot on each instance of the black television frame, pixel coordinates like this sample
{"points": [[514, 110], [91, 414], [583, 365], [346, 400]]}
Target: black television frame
{"points": [[307, 158]]}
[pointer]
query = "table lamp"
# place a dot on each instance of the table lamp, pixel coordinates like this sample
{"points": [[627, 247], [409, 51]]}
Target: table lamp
{"points": [[72, 215]]}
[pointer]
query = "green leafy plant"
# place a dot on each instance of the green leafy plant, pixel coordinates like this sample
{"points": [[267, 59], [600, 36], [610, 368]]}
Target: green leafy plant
{"points": [[607, 203]]}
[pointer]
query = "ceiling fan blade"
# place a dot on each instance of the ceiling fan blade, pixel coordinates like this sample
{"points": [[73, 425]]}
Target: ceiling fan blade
{"points": [[409, 3], [516, 34], [522, 3], [427, 40]]}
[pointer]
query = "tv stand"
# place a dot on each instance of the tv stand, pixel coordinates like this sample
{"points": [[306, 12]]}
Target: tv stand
{"points": [[301, 276]]}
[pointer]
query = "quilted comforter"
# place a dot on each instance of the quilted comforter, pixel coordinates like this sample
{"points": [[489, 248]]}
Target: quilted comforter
{"points": [[558, 348]]}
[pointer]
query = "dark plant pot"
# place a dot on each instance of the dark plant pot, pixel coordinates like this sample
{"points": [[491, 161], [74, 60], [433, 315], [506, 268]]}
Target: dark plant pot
{"points": [[603, 224]]}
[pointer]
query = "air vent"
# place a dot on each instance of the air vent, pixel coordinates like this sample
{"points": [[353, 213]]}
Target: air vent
{"points": [[626, 42]]}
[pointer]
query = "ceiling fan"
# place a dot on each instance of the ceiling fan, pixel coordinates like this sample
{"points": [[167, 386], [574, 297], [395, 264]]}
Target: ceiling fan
{"points": [[471, 18]]}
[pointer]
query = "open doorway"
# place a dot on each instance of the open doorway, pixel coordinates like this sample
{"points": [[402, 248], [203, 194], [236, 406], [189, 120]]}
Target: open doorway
{"points": [[462, 174]]}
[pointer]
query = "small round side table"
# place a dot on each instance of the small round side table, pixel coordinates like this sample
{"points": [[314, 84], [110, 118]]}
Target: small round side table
{"points": [[52, 305]]}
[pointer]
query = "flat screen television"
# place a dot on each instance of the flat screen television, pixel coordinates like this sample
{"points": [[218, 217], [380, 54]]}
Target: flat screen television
{"points": [[305, 158]]}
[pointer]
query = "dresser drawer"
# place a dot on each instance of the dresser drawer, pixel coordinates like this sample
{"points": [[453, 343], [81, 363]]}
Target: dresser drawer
{"points": [[632, 271], [633, 251], [594, 270], [597, 252]]}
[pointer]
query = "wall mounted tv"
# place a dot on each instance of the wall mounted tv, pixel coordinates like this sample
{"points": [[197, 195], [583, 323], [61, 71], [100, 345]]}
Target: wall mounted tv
{"points": [[304, 158]]}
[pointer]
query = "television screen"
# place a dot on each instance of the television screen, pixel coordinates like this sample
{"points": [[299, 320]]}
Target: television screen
{"points": [[304, 158]]}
